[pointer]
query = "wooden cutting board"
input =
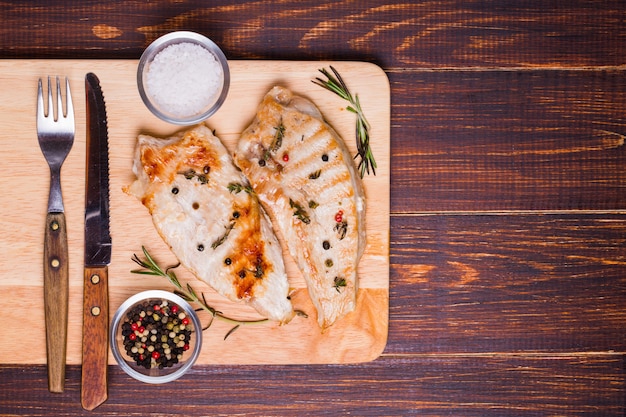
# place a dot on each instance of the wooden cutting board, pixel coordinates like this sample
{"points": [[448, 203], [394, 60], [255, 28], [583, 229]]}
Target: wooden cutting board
{"points": [[359, 337]]}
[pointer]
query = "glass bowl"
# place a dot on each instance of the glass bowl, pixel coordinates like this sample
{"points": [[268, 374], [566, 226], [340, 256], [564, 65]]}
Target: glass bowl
{"points": [[183, 77], [146, 335]]}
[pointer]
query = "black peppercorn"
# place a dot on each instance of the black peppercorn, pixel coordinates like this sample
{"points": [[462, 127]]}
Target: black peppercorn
{"points": [[325, 158], [228, 261], [236, 215], [242, 274], [175, 190], [261, 162], [153, 343], [206, 169], [326, 244], [200, 247]]}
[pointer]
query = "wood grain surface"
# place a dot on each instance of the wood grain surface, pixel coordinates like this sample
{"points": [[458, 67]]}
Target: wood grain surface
{"points": [[55, 284], [95, 337], [507, 292], [358, 337]]}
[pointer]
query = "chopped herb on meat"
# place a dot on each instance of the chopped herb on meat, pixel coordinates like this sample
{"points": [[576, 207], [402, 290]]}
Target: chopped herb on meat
{"points": [[339, 283], [315, 175], [278, 137], [191, 174], [223, 238], [235, 187], [299, 212], [341, 228]]}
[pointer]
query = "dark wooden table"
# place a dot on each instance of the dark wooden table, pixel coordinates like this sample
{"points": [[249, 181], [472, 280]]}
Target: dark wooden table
{"points": [[508, 203]]}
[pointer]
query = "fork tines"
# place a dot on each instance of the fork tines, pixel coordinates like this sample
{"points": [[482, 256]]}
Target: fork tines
{"points": [[60, 112]]}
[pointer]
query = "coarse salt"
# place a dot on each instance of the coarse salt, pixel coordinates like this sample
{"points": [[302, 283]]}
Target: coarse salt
{"points": [[184, 79]]}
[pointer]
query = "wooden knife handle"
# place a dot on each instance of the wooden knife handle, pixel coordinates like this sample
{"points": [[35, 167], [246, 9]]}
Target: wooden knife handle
{"points": [[95, 337], [55, 296]]}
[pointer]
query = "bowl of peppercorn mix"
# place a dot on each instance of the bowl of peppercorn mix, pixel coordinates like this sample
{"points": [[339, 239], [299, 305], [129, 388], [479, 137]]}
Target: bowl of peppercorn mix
{"points": [[156, 336]]}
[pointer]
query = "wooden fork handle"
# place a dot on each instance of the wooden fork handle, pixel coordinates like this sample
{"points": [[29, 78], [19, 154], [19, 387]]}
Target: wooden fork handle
{"points": [[56, 294]]}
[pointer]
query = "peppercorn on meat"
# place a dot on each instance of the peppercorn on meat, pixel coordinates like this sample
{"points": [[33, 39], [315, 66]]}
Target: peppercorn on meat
{"points": [[203, 207], [305, 177]]}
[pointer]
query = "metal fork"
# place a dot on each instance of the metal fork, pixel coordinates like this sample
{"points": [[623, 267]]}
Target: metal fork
{"points": [[56, 137]]}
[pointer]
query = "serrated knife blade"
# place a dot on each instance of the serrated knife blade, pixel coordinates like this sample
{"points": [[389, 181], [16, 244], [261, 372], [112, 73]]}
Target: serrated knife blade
{"points": [[97, 251]]}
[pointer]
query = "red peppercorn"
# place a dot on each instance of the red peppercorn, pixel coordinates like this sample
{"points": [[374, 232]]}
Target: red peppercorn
{"points": [[339, 216], [135, 339], [286, 157]]}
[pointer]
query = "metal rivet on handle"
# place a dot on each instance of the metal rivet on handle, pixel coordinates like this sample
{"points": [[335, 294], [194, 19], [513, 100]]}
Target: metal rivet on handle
{"points": [[95, 311], [95, 278]]}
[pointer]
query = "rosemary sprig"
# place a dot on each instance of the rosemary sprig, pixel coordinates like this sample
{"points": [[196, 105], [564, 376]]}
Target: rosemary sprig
{"points": [[150, 267], [335, 84]]}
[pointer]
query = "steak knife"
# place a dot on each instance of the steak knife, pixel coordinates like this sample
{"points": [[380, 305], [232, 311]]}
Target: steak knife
{"points": [[95, 345]]}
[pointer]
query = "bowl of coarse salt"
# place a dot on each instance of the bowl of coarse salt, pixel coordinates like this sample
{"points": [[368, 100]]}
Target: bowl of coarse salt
{"points": [[183, 77]]}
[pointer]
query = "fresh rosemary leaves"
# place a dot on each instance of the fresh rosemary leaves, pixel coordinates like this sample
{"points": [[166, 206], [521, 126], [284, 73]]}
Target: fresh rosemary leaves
{"points": [[235, 187], [299, 212], [278, 137], [335, 84], [339, 283], [223, 238], [150, 267]]}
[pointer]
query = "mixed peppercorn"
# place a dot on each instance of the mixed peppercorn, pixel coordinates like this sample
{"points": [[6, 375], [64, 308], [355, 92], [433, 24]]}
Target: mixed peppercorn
{"points": [[156, 334]]}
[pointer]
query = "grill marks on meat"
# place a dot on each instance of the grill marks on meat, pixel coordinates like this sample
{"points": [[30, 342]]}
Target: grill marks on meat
{"points": [[304, 175], [217, 230]]}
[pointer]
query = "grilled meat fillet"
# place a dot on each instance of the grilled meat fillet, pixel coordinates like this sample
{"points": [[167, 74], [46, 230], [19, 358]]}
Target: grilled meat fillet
{"points": [[305, 177], [203, 207]]}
